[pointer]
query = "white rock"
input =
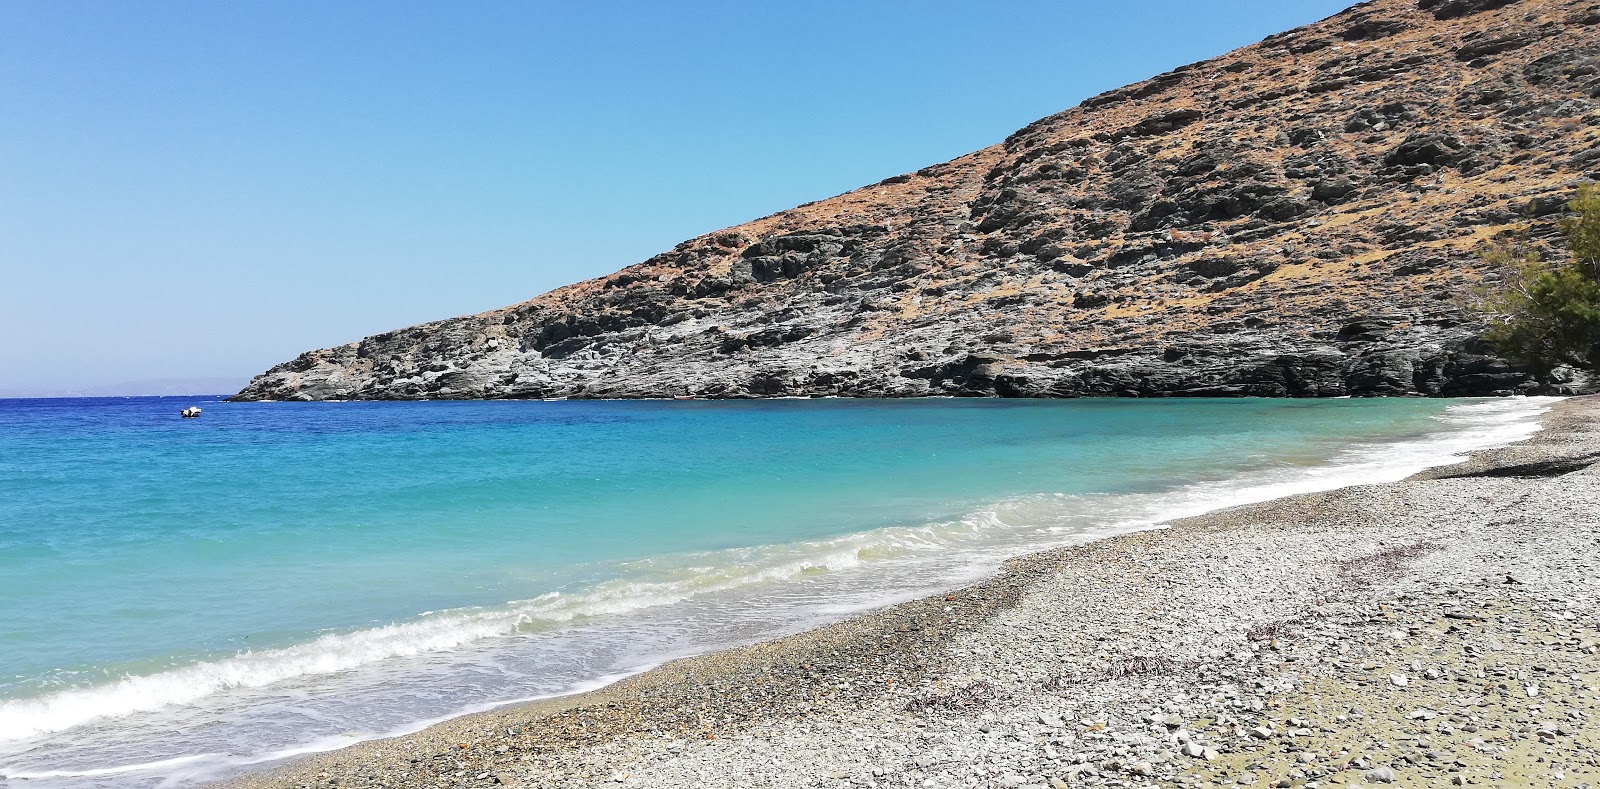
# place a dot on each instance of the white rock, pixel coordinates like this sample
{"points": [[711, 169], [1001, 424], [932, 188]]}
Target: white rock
{"points": [[1382, 775]]}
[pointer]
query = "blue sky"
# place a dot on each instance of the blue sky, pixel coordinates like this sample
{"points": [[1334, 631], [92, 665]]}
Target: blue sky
{"points": [[203, 189]]}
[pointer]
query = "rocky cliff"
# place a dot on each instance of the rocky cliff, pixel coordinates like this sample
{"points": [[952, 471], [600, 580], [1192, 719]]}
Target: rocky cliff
{"points": [[1295, 218]]}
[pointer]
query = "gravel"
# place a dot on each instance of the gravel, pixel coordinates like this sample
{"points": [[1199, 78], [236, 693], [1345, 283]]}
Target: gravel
{"points": [[1436, 631]]}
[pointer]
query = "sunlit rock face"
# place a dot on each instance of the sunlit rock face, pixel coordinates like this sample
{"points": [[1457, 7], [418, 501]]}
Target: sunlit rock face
{"points": [[1294, 218]]}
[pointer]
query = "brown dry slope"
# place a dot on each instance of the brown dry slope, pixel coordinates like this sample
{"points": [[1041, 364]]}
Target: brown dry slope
{"points": [[1297, 218]]}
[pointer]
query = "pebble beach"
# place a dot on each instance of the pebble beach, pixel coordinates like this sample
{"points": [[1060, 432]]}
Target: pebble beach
{"points": [[1439, 631]]}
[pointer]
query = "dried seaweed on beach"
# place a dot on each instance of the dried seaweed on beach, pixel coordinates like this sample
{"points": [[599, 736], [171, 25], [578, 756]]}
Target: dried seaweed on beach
{"points": [[977, 695]]}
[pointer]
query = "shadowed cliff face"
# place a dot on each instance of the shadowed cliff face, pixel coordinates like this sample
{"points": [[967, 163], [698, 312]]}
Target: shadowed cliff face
{"points": [[1295, 218]]}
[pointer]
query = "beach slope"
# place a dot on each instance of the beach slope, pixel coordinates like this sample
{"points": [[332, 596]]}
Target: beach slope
{"points": [[1435, 631]]}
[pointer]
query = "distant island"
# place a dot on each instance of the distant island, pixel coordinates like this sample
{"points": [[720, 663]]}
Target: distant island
{"points": [[1300, 217]]}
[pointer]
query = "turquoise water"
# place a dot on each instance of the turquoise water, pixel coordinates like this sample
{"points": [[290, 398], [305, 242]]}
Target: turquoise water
{"points": [[274, 577]]}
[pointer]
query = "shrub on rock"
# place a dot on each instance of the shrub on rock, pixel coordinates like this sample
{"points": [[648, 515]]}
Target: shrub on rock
{"points": [[1544, 315]]}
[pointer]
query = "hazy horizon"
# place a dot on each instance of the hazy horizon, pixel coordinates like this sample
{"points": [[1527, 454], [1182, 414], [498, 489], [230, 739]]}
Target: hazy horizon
{"points": [[150, 387]]}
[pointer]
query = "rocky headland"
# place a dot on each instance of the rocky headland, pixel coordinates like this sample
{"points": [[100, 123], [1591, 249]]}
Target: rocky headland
{"points": [[1294, 218]]}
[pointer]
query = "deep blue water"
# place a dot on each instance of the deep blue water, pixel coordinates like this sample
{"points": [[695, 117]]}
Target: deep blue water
{"points": [[273, 577]]}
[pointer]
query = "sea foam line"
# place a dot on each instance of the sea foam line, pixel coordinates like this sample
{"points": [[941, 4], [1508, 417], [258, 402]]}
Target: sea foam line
{"points": [[682, 578], [205, 765], [1470, 427], [99, 772]]}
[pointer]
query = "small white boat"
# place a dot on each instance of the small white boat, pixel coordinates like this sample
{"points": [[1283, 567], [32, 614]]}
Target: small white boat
{"points": [[192, 412]]}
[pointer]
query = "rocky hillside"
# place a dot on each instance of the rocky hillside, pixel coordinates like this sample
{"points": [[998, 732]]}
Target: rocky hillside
{"points": [[1295, 218]]}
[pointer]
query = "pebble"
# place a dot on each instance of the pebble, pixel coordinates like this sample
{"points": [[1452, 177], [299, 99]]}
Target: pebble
{"points": [[1381, 775], [1149, 604]]}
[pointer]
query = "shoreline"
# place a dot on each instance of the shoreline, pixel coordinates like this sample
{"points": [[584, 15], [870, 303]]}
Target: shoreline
{"points": [[892, 660]]}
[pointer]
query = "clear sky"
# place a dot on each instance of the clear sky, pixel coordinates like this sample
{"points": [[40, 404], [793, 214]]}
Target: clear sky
{"points": [[203, 189]]}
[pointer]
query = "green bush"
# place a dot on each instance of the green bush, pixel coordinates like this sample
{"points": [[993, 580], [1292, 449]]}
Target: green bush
{"points": [[1545, 315]]}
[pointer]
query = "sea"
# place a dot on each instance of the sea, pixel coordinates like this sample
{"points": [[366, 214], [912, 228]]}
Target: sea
{"points": [[184, 600]]}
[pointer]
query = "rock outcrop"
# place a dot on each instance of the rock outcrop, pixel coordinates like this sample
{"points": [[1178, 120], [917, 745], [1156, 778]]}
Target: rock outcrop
{"points": [[1294, 218]]}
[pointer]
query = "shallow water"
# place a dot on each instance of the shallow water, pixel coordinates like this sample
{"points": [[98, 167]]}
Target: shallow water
{"points": [[182, 599]]}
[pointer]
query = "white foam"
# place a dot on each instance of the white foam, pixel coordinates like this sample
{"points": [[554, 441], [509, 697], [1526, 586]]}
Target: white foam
{"points": [[448, 630], [99, 772], [989, 535], [325, 744], [209, 764], [1470, 427]]}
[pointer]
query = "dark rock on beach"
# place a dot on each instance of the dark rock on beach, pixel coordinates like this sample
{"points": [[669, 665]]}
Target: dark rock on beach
{"points": [[1297, 218]]}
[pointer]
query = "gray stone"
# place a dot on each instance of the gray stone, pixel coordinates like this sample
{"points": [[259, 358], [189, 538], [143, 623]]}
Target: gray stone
{"points": [[1381, 775]]}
